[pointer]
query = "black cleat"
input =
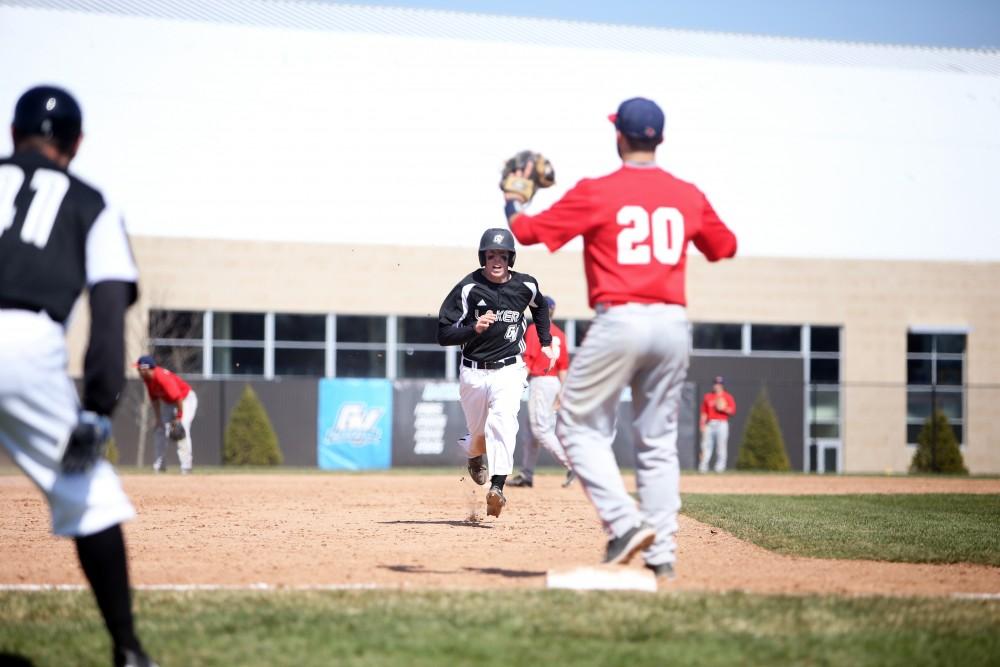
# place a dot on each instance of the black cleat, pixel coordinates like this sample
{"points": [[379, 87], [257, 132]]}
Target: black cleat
{"points": [[663, 571], [478, 470], [570, 477], [495, 501], [129, 658], [622, 549], [520, 480]]}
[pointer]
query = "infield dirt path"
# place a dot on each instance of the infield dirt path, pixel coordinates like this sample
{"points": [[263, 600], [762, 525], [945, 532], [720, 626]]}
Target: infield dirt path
{"points": [[415, 531]]}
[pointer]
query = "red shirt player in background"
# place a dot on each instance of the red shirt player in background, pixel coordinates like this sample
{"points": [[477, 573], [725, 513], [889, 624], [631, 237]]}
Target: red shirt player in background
{"points": [[717, 406], [636, 224], [173, 400], [544, 383]]}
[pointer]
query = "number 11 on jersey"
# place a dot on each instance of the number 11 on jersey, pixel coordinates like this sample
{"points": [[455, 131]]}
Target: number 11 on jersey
{"points": [[50, 188]]}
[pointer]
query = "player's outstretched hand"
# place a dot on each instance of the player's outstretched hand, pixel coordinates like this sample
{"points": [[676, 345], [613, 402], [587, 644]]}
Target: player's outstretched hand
{"points": [[485, 320], [87, 442], [552, 354]]}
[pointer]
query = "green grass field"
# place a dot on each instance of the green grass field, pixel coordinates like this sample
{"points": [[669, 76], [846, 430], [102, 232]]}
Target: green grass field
{"points": [[914, 528], [509, 628], [539, 627]]}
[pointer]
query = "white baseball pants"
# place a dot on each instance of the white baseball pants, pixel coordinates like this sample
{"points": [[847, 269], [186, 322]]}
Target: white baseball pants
{"points": [[542, 393], [490, 400], [38, 410], [715, 438], [160, 439], [644, 346]]}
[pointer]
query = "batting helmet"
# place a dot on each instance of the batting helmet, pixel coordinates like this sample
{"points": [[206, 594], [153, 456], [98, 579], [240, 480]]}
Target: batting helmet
{"points": [[496, 239], [48, 112]]}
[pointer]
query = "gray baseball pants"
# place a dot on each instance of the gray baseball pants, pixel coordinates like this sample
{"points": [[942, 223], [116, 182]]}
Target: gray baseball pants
{"points": [[542, 393], [714, 438], [645, 347]]}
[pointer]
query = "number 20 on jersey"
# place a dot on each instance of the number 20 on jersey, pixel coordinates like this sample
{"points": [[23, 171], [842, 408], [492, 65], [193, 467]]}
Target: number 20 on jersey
{"points": [[645, 237]]}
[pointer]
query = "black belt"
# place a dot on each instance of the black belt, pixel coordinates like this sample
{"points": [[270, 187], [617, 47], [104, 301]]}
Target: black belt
{"points": [[490, 365], [13, 304]]}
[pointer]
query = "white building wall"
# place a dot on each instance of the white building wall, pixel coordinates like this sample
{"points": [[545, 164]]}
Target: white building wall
{"points": [[303, 122]]}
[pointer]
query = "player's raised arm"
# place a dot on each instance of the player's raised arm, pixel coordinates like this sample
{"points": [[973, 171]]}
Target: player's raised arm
{"points": [[715, 241]]}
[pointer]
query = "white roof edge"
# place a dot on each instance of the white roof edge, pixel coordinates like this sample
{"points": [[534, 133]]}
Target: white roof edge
{"points": [[446, 24]]}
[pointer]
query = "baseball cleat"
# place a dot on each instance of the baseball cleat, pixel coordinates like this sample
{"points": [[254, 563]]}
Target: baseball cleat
{"points": [[495, 501], [663, 571], [129, 658], [622, 549], [478, 470], [570, 477], [520, 480]]}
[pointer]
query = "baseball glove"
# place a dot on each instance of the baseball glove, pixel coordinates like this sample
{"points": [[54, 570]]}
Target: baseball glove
{"points": [[524, 174], [176, 430], [87, 443], [721, 404]]}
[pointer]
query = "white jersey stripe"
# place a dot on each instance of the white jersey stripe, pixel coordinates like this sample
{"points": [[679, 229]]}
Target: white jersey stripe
{"points": [[465, 303], [534, 292]]}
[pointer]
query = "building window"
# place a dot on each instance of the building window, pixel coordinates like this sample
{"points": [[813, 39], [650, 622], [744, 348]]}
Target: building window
{"points": [[176, 339], [823, 395], [709, 336], [775, 338], [417, 353], [238, 326], [299, 345], [361, 346], [581, 327], [935, 371], [237, 343]]}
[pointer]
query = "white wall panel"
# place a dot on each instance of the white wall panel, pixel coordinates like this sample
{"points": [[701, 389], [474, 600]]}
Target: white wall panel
{"points": [[217, 130]]}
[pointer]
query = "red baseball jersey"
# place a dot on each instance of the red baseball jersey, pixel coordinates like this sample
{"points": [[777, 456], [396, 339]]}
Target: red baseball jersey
{"points": [[538, 363], [166, 386], [636, 224], [708, 406]]}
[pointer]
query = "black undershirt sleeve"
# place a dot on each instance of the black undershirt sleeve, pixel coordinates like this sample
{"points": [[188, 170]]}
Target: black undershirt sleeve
{"points": [[540, 316], [104, 363]]}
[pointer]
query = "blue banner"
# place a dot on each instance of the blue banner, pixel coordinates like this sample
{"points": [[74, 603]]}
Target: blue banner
{"points": [[354, 424]]}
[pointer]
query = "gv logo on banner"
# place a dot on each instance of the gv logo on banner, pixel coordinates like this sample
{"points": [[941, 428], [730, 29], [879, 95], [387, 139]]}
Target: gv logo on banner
{"points": [[354, 429], [356, 425]]}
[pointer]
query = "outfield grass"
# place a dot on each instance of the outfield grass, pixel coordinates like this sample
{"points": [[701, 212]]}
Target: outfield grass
{"points": [[508, 628], [913, 528]]}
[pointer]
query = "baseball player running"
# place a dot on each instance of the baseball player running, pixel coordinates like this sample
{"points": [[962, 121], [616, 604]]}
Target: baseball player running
{"points": [[544, 382], [57, 235], [484, 313], [174, 404], [636, 224], [717, 406]]}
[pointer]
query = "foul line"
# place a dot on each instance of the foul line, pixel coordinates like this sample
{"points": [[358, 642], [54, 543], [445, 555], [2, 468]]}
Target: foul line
{"points": [[32, 588], [195, 587]]}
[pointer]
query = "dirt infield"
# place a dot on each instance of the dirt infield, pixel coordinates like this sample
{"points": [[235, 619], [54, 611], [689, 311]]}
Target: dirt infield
{"points": [[415, 531]]}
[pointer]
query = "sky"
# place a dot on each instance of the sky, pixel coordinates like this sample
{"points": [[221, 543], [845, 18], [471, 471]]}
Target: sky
{"points": [[971, 24]]}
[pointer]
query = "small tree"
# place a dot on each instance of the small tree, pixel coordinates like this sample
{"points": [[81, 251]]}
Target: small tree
{"points": [[937, 448], [250, 438], [111, 453], [763, 447]]}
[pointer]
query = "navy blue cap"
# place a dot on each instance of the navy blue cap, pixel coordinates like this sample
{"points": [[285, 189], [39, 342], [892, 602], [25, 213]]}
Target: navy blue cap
{"points": [[639, 118], [145, 361], [552, 302], [718, 379]]}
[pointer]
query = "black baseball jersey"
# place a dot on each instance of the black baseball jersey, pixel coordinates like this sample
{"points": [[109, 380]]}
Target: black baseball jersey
{"points": [[473, 296], [57, 235]]}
